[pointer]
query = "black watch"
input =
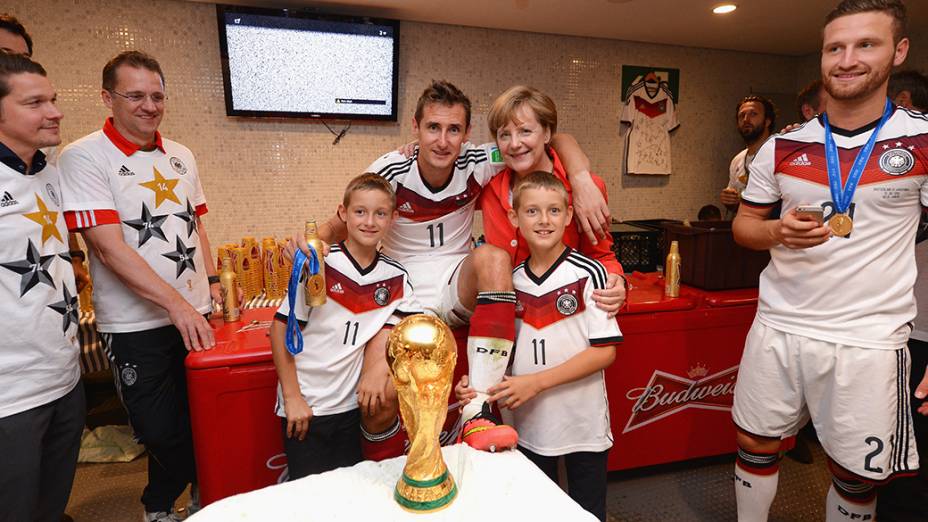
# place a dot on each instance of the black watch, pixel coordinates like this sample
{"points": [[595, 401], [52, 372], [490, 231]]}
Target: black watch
{"points": [[78, 254], [213, 279]]}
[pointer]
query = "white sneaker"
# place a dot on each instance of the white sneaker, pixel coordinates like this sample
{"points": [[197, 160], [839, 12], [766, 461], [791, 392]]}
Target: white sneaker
{"points": [[161, 516]]}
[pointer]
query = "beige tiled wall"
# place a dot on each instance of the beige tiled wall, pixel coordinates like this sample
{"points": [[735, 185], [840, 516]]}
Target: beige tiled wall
{"points": [[263, 176]]}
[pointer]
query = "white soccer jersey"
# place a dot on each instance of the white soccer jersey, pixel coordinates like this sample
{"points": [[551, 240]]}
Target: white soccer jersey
{"points": [[435, 224], [650, 110], [156, 196], [556, 318], [854, 290], [738, 170], [360, 301], [38, 355]]}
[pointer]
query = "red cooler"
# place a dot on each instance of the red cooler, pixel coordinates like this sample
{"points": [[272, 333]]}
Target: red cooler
{"points": [[233, 391], [671, 385]]}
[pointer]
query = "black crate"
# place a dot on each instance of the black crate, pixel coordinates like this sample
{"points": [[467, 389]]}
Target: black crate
{"points": [[659, 225], [637, 248]]}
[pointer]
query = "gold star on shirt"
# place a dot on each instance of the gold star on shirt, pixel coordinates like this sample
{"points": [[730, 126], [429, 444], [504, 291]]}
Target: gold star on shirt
{"points": [[162, 187], [46, 219]]}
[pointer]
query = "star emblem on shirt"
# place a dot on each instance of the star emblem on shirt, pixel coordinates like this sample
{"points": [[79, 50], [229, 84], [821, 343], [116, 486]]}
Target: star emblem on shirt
{"points": [[148, 226], [898, 143], [183, 256], [33, 269], [885, 147], [68, 309], [47, 219], [190, 216], [162, 187]]}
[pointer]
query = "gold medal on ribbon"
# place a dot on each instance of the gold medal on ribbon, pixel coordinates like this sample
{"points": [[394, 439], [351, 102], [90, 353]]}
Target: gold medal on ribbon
{"points": [[841, 224], [316, 286]]}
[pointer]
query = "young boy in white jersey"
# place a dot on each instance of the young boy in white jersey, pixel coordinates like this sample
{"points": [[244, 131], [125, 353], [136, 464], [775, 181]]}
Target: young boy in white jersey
{"points": [[366, 293], [556, 392]]}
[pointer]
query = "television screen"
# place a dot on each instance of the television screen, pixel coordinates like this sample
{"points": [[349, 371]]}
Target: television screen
{"points": [[290, 63]]}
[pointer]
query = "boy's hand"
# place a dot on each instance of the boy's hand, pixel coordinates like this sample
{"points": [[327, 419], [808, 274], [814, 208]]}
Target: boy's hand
{"points": [[299, 414], [299, 241], [515, 391], [612, 297], [463, 392], [372, 391]]}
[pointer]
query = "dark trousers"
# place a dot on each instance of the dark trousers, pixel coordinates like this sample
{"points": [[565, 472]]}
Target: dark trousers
{"points": [[38, 449], [906, 499], [586, 477], [149, 370], [332, 441]]}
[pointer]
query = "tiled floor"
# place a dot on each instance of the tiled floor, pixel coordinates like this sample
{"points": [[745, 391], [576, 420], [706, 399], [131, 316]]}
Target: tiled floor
{"points": [[699, 491]]}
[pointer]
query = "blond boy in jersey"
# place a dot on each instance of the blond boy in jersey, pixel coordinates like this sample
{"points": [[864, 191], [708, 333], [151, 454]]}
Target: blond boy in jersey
{"points": [[555, 393], [366, 293]]}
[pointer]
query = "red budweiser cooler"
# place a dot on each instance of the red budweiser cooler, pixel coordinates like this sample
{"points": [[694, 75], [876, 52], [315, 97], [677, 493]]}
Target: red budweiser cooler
{"points": [[672, 383], [233, 391]]}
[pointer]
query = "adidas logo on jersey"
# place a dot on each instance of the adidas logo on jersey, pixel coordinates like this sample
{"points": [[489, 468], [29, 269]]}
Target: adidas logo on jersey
{"points": [[124, 171], [337, 289], [801, 161], [7, 200], [406, 207]]}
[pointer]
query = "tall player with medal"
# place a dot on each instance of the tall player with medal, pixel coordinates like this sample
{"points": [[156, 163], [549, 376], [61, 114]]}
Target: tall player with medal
{"points": [[829, 339]]}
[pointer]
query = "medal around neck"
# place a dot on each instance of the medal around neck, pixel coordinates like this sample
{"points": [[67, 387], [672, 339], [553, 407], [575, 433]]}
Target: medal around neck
{"points": [[422, 353], [842, 223]]}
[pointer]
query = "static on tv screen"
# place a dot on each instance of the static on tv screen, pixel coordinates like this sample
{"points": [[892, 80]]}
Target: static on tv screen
{"points": [[281, 63]]}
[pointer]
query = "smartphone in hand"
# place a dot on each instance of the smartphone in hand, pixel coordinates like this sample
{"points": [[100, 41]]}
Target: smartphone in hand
{"points": [[811, 213]]}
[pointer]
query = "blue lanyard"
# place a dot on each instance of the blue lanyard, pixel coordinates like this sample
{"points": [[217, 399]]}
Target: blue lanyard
{"points": [[842, 199], [294, 337]]}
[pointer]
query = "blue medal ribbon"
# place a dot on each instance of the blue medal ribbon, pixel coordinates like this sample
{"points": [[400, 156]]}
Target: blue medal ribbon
{"points": [[294, 337], [842, 198]]}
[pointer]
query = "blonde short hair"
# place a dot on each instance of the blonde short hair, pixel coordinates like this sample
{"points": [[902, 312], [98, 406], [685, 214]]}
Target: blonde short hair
{"points": [[538, 180], [505, 106], [369, 181]]}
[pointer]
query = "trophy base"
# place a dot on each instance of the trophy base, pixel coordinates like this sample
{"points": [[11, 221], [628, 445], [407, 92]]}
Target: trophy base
{"points": [[424, 496]]}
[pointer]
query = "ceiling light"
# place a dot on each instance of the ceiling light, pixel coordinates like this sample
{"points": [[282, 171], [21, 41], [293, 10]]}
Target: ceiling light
{"points": [[724, 8]]}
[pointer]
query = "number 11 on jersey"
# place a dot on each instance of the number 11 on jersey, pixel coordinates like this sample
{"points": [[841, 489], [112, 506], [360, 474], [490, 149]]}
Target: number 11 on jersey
{"points": [[538, 346], [436, 232]]}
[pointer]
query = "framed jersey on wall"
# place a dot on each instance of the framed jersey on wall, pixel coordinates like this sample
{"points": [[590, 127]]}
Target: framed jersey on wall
{"points": [[649, 98]]}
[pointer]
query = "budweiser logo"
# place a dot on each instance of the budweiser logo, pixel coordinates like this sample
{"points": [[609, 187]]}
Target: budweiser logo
{"points": [[667, 394]]}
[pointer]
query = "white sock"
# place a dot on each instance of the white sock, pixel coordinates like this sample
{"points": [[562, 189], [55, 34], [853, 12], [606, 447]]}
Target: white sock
{"points": [[487, 359], [754, 494], [839, 509]]}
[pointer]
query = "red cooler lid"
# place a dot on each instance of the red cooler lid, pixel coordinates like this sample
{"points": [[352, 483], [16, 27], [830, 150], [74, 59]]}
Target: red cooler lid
{"points": [[740, 297], [239, 343], [646, 295]]}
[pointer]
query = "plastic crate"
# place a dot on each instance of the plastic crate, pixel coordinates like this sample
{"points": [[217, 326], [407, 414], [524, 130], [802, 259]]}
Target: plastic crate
{"points": [[710, 258], [656, 224], [637, 248]]}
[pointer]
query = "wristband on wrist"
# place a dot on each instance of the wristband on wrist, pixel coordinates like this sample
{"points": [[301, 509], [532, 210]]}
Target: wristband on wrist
{"points": [[77, 254], [213, 279]]}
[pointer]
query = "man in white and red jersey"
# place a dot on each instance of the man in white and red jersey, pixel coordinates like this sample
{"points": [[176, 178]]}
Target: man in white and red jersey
{"points": [[137, 199], [41, 398], [829, 339], [436, 190]]}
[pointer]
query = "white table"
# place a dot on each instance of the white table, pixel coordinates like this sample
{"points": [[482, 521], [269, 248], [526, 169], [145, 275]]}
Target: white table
{"points": [[491, 487]]}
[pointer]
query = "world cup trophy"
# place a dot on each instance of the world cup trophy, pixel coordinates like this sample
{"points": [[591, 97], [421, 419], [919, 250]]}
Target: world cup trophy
{"points": [[422, 354]]}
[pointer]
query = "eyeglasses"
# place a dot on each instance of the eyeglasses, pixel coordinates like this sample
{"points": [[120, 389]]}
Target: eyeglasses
{"points": [[137, 97]]}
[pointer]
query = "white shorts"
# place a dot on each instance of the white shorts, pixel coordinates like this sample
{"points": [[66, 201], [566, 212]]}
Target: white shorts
{"points": [[857, 398], [435, 283]]}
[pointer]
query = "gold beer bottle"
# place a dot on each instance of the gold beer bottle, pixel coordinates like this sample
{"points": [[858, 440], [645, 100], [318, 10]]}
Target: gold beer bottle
{"points": [[315, 284], [672, 271], [227, 280]]}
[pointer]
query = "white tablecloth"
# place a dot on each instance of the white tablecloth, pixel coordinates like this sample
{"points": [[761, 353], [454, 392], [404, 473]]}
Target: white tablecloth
{"points": [[491, 487]]}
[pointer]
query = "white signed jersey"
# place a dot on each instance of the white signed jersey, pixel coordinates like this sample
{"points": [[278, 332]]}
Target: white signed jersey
{"points": [[650, 110], [556, 318], [854, 290]]}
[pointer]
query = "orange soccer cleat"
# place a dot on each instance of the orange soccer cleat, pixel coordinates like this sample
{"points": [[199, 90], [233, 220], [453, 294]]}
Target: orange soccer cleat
{"points": [[485, 432]]}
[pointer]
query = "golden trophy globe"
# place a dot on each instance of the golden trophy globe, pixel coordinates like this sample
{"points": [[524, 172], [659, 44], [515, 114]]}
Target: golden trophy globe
{"points": [[422, 353]]}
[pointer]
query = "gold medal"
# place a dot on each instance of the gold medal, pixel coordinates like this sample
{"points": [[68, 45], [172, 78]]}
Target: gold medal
{"points": [[841, 224], [315, 285]]}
